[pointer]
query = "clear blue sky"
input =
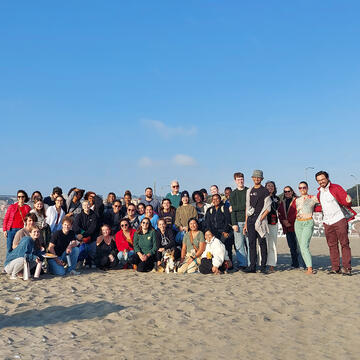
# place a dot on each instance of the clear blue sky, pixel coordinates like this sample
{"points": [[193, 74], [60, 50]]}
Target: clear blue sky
{"points": [[112, 95]]}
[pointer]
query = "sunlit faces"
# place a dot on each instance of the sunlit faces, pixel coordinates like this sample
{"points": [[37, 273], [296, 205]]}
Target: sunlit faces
{"points": [[124, 225], [111, 198], [35, 233], [29, 222], [131, 210], [214, 190], [166, 205], [145, 223], [66, 226], [270, 187], [185, 199], [239, 182], [216, 200], [197, 198], [322, 180], [303, 189], [227, 193], [21, 198], [149, 212], [162, 225], [38, 205], [148, 193], [116, 206], [175, 187], [288, 192], [208, 235], [105, 230], [127, 199], [59, 202], [193, 225], [256, 180], [141, 209], [86, 206], [91, 198]]}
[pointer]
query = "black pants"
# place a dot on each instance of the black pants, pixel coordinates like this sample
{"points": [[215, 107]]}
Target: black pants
{"points": [[228, 242], [143, 266], [253, 236], [104, 262], [292, 243], [206, 266]]}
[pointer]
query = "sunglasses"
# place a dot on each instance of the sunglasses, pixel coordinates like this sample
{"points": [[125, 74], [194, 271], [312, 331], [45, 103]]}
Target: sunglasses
{"points": [[21, 197], [302, 187], [287, 191], [116, 206], [124, 225], [175, 186], [145, 222], [131, 210]]}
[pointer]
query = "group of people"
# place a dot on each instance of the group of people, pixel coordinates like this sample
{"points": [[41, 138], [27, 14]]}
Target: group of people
{"points": [[199, 233]]}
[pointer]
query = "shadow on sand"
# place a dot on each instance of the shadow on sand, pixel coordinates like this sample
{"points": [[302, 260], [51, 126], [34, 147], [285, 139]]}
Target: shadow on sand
{"points": [[59, 314]]}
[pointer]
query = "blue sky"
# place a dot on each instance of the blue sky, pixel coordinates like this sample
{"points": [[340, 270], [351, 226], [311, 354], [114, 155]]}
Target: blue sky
{"points": [[115, 95]]}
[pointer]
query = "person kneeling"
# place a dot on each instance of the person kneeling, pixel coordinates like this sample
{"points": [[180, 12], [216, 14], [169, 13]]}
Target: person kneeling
{"points": [[106, 251], [64, 245], [213, 258]]}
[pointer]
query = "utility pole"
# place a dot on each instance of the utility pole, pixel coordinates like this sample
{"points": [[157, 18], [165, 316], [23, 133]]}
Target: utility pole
{"points": [[306, 169], [357, 189]]}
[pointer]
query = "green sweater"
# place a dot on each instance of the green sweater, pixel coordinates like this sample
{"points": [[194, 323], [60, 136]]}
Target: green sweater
{"points": [[175, 199], [238, 205], [145, 243]]}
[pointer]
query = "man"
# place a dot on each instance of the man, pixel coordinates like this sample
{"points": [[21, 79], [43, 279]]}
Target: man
{"points": [[86, 229], [133, 217], [150, 201], [63, 243], [336, 207], [287, 217], [50, 200], [218, 220], [174, 196], [238, 205], [258, 205], [207, 198], [226, 199], [114, 216]]}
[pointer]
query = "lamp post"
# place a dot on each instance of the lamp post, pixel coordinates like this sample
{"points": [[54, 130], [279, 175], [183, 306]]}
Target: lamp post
{"points": [[306, 169], [357, 189]]}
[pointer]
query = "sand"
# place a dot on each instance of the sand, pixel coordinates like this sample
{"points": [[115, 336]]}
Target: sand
{"points": [[123, 314]]}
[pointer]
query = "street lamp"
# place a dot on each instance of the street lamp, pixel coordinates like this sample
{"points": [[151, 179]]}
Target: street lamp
{"points": [[357, 189], [306, 169]]}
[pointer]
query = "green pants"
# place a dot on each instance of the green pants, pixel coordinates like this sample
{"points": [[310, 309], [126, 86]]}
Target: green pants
{"points": [[304, 231]]}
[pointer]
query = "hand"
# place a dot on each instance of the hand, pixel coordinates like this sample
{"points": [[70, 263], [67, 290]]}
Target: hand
{"points": [[68, 250], [245, 230], [235, 228], [38, 261], [5, 234], [190, 260], [59, 262], [79, 237], [161, 249], [215, 270], [111, 258], [286, 223], [225, 235]]}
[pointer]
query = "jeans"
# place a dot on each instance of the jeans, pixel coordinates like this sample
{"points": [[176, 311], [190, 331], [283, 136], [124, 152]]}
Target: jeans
{"points": [[304, 231], [10, 238], [57, 269], [121, 256], [88, 252], [179, 237], [241, 243], [296, 257]]}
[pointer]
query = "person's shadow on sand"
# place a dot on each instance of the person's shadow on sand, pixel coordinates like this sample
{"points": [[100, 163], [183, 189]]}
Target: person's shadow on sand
{"points": [[59, 314]]}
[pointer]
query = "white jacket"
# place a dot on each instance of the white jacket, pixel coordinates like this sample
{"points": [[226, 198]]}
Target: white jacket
{"points": [[51, 216], [217, 250]]}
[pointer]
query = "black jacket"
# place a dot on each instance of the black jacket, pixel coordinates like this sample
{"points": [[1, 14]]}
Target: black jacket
{"points": [[218, 221], [86, 225], [113, 220], [166, 241]]}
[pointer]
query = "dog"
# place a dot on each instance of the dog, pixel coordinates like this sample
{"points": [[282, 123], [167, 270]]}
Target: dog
{"points": [[168, 263]]}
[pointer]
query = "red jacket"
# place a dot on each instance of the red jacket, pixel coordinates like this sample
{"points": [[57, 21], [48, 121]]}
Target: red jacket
{"points": [[121, 242], [341, 197], [10, 213], [289, 215]]}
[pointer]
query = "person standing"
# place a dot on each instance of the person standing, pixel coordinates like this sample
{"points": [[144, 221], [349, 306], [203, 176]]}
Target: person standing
{"points": [[271, 237], [149, 200], [174, 196], [55, 214], [258, 204], [14, 219], [238, 206], [337, 211], [287, 216]]}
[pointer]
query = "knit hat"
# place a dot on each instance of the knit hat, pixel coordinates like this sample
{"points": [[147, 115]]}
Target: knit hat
{"points": [[258, 173], [185, 193]]}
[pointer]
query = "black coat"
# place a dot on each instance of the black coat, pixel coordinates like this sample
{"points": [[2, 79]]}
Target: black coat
{"points": [[218, 221], [86, 225]]}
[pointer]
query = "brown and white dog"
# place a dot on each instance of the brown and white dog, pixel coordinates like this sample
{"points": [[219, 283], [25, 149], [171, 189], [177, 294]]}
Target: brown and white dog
{"points": [[168, 263]]}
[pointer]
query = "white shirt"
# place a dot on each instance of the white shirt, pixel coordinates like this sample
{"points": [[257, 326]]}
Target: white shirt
{"points": [[330, 207]]}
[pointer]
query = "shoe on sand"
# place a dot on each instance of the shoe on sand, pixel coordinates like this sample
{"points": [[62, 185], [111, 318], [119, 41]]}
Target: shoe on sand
{"points": [[74, 272], [346, 272]]}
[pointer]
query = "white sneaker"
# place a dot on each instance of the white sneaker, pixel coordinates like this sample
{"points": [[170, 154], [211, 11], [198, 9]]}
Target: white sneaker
{"points": [[74, 272], [13, 277]]}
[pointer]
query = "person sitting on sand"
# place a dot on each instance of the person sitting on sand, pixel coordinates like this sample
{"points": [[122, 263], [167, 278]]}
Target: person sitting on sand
{"points": [[106, 251], [30, 221], [29, 248], [39, 211], [125, 242], [165, 241], [144, 246], [214, 255], [63, 243], [192, 248]]}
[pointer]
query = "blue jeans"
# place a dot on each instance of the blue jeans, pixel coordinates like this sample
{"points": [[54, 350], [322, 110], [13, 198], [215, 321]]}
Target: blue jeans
{"points": [[88, 252], [10, 238], [179, 237], [57, 269], [121, 254], [241, 243]]}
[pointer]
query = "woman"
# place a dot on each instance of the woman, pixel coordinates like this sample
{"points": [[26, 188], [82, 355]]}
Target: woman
{"points": [[73, 202], [304, 223], [127, 198], [214, 256], [35, 195], [168, 212], [144, 246], [131, 214], [165, 241], [30, 221], [201, 207], [140, 209], [272, 219], [39, 211], [287, 216], [149, 213], [108, 203], [28, 248], [192, 248], [55, 214], [125, 242], [14, 218], [183, 213], [106, 251]]}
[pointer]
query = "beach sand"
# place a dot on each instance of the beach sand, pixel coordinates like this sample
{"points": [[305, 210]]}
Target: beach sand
{"points": [[123, 314]]}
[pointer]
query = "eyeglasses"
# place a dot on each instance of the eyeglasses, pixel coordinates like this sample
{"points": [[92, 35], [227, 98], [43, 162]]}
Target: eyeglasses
{"points": [[175, 186], [287, 191], [302, 188], [124, 225], [145, 222], [131, 210], [21, 197], [116, 206]]}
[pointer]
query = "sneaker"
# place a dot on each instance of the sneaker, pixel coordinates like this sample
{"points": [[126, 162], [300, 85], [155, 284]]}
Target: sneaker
{"points": [[346, 272], [334, 272], [248, 271], [74, 272], [13, 277], [93, 266]]}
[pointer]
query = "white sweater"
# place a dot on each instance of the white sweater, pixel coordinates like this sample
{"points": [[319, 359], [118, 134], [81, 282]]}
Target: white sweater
{"points": [[51, 216], [217, 249]]}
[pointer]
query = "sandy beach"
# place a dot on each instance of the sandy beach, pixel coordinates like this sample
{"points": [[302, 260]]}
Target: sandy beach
{"points": [[122, 314]]}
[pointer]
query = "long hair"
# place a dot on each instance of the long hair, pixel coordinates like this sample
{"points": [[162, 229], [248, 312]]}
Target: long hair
{"points": [[42, 212], [139, 230]]}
